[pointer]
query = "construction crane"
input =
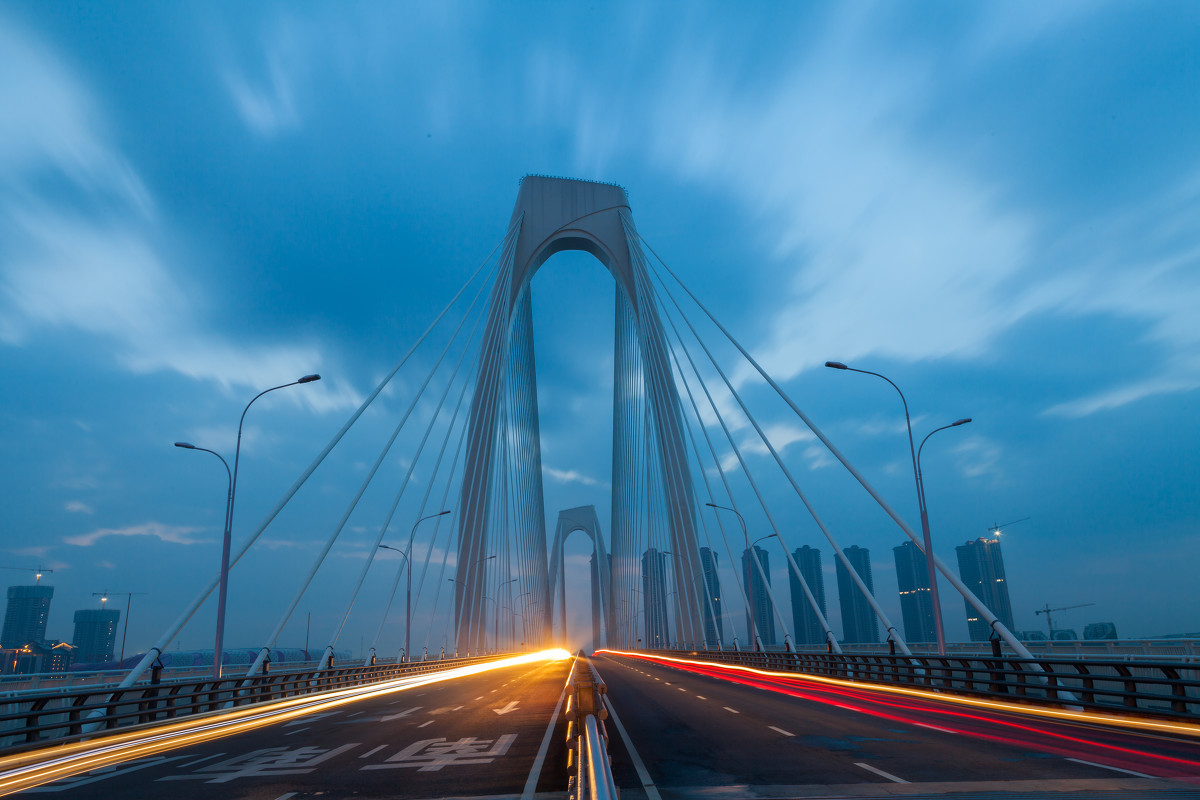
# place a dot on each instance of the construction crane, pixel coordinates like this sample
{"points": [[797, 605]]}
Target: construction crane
{"points": [[995, 529], [36, 572], [1048, 609]]}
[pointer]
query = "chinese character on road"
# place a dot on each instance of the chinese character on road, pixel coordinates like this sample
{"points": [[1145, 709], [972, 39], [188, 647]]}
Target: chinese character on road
{"points": [[430, 755], [267, 762]]}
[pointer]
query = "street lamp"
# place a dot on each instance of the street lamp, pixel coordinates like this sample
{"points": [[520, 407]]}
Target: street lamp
{"points": [[750, 592], [221, 595], [456, 583], [930, 568], [933, 595], [408, 581]]}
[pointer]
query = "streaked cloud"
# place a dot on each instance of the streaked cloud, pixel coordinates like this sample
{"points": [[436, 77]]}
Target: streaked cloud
{"points": [[265, 98], [570, 476], [78, 507], [174, 534], [115, 271]]}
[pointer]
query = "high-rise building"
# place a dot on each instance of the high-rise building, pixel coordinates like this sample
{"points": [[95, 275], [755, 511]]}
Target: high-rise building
{"points": [[95, 634], [804, 619], [916, 601], [759, 595], [26, 615], [981, 567], [859, 625], [654, 598], [714, 629]]}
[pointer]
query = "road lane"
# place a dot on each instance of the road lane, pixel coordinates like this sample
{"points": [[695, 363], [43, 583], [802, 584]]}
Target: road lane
{"points": [[474, 736], [696, 732]]}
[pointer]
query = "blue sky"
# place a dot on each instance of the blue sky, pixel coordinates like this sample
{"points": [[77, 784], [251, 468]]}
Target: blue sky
{"points": [[994, 204]]}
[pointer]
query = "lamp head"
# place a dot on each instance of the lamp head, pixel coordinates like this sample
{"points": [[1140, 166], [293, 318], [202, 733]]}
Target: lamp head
{"points": [[186, 445], [836, 365], [962, 421], [309, 378]]}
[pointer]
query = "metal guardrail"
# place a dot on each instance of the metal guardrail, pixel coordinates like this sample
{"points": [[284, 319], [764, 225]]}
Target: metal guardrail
{"points": [[588, 762], [1147, 688], [28, 720], [1113, 649]]}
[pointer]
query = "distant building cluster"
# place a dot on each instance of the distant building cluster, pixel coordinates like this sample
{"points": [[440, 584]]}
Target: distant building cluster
{"points": [[980, 567], [24, 648]]}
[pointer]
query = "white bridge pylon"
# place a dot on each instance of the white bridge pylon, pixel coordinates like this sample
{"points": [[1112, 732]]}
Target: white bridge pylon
{"points": [[553, 215], [582, 518]]}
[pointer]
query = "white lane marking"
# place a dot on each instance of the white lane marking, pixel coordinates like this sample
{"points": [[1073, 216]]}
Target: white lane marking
{"points": [[286, 796], [933, 727], [1114, 769], [731, 710], [298, 730], [200, 760], [536, 773], [376, 750], [781, 730], [647, 784], [668, 683], [682, 689], [880, 772], [423, 724], [355, 714], [477, 699], [701, 697], [512, 706]]}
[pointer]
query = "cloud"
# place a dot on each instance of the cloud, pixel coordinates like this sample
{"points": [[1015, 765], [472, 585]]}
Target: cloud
{"points": [[977, 457], [570, 476], [78, 507], [780, 435], [49, 123], [892, 243], [175, 534], [109, 268], [266, 102]]}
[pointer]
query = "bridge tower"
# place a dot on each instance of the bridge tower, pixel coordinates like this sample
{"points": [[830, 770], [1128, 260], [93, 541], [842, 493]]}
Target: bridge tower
{"points": [[552, 215]]}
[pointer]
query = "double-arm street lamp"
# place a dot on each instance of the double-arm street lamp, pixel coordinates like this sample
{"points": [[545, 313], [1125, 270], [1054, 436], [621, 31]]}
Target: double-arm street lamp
{"points": [[756, 642], [408, 581], [225, 544], [930, 568]]}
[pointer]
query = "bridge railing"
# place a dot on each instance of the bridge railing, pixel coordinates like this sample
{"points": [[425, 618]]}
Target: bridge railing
{"points": [[1148, 688], [31, 719], [587, 740]]}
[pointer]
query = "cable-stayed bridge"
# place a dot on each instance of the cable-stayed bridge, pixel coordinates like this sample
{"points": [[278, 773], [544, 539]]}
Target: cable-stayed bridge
{"points": [[713, 700]]}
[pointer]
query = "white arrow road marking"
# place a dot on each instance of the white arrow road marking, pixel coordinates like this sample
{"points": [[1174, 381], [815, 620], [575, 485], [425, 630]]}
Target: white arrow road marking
{"points": [[401, 715], [512, 706]]}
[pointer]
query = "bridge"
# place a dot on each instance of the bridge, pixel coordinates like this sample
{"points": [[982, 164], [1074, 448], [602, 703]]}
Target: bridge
{"points": [[703, 681]]}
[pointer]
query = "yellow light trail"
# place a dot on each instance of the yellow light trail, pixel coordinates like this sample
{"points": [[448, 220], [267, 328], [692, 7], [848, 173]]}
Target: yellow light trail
{"points": [[25, 770], [1086, 717]]}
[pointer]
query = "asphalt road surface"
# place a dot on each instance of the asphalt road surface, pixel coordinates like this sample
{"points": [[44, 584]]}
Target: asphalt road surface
{"points": [[475, 736], [696, 735]]}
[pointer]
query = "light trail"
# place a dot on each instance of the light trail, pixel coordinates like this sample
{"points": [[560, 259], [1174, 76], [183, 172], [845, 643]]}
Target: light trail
{"points": [[1089, 718], [25, 770], [880, 702]]}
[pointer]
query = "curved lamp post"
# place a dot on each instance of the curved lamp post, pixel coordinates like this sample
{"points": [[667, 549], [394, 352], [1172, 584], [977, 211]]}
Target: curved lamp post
{"points": [[223, 591], [408, 581], [757, 643], [930, 569], [937, 610]]}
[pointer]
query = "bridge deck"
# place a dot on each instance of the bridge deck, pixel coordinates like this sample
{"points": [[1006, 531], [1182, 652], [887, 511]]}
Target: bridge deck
{"points": [[675, 732]]}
